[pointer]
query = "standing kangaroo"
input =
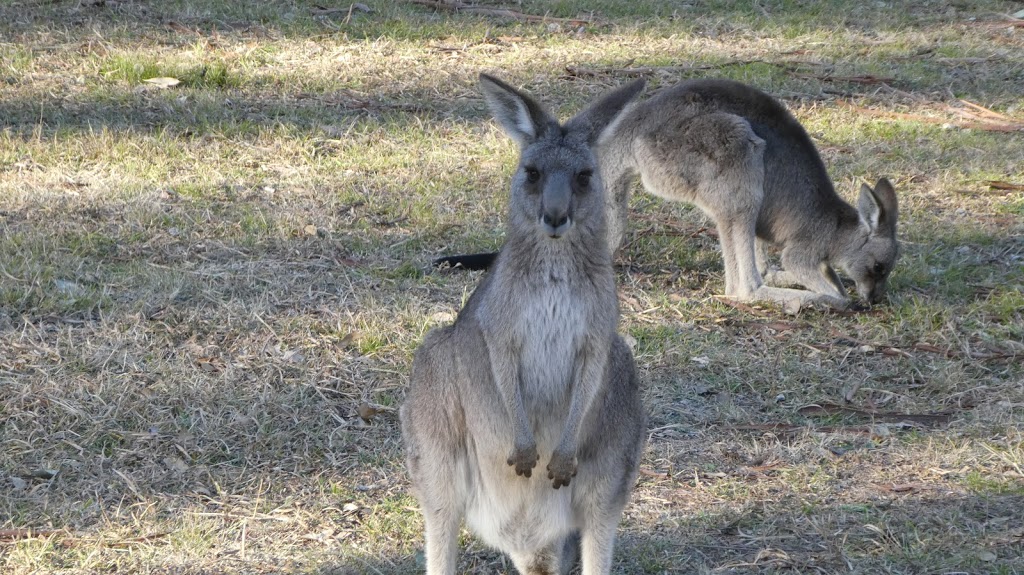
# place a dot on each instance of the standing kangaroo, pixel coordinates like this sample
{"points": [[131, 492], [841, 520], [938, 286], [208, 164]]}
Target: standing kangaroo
{"points": [[741, 157], [532, 369]]}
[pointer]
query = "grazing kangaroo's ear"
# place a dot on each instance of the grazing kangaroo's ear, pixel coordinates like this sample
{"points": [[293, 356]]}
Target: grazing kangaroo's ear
{"points": [[519, 115], [602, 117], [886, 196], [878, 207]]}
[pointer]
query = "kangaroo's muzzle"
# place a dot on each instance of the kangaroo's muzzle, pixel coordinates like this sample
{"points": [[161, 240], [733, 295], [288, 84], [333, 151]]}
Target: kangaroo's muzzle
{"points": [[555, 224], [556, 206]]}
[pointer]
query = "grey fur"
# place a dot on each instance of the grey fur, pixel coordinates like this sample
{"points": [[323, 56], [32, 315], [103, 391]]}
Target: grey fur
{"points": [[532, 369], [741, 157]]}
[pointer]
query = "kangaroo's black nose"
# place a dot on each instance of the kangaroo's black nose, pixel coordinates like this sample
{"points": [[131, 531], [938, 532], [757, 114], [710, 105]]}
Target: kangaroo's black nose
{"points": [[555, 221]]}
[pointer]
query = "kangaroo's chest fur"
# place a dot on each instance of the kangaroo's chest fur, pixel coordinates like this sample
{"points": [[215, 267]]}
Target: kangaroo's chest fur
{"points": [[550, 330], [546, 312], [550, 311]]}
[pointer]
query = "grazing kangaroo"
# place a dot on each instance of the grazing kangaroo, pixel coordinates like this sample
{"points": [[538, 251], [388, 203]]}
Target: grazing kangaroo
{"points": [[532, 369], [741, 157]]}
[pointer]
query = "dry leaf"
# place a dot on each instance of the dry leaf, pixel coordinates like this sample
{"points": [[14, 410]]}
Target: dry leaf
{"points": [[175, 464], [163, 81], [46, 474], [208, 364], [367, 411]]}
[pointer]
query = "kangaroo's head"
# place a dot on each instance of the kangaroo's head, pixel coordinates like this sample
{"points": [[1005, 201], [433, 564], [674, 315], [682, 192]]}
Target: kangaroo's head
{"points": [[557, 189], [870, 252]]}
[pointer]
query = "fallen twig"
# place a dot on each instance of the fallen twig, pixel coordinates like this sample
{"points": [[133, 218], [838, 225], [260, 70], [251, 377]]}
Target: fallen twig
{"points": [[785, 428], [12, 535], [71, 542], [1000, 185], [630, 71], [1011, 23], [867, 79], [654, 474], [827, 408], [8, 535], [322, 11], [498, 12], [731, 302], [986, 112], [776, 325], [986, 122]]}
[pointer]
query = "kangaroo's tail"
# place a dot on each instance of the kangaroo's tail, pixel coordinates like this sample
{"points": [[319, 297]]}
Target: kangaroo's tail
{"points": [[472, 262]]}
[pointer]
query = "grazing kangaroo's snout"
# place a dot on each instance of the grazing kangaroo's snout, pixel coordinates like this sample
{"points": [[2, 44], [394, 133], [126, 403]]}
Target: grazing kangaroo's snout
{"points": [[876, 294], [873, 291]]}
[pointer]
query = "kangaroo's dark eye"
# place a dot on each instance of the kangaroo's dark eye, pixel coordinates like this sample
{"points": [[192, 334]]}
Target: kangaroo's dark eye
{"points": [[583, 178], [532, 175], [879, 269]]}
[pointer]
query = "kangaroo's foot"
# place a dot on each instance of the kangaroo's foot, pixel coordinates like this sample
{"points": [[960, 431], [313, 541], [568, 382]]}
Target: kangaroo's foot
{"points": [[793, 300]]}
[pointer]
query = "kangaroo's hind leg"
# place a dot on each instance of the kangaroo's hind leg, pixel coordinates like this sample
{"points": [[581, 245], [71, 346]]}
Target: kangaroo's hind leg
{"points": [[442, 534], [733, 197], [441, 503], [716, 161], [433, 472], [736, 235], [435, 448]]}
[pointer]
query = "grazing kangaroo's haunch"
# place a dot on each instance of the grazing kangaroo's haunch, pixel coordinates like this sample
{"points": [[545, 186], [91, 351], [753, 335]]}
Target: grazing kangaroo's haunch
{"points": [[532, 369], [741, 157]]}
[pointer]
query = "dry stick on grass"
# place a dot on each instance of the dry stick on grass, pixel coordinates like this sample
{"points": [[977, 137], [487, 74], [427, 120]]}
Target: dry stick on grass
{"points": [[866, 79], [743, 307], [635, 72], [12, 535], [829, 409], [892, 351], [791, 68], [973, 121], [498, 12], [1008, 23], [9, 535], [1005, 186]]}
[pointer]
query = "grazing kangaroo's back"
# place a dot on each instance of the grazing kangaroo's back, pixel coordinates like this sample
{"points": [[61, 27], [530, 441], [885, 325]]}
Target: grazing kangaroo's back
{"points": [[532, 369], [741, 157]]}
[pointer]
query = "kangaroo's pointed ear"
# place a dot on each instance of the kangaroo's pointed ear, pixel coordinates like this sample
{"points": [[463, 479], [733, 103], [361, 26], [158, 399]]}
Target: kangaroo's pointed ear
{"points": [[520, 116], [603, 116], [878, 207]]}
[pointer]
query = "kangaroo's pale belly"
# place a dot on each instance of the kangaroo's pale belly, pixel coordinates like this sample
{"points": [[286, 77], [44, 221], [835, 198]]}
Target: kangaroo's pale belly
{"points": [[515, 513], [511, 512]]}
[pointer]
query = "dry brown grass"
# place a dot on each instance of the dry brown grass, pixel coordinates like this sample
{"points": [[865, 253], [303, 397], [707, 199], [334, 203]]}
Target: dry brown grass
{"points": [[203, 289]]}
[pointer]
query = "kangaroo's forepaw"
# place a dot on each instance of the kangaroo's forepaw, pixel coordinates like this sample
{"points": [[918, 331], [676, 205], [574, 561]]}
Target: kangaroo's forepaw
{"points": [[561, 469], [524, 459]]}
